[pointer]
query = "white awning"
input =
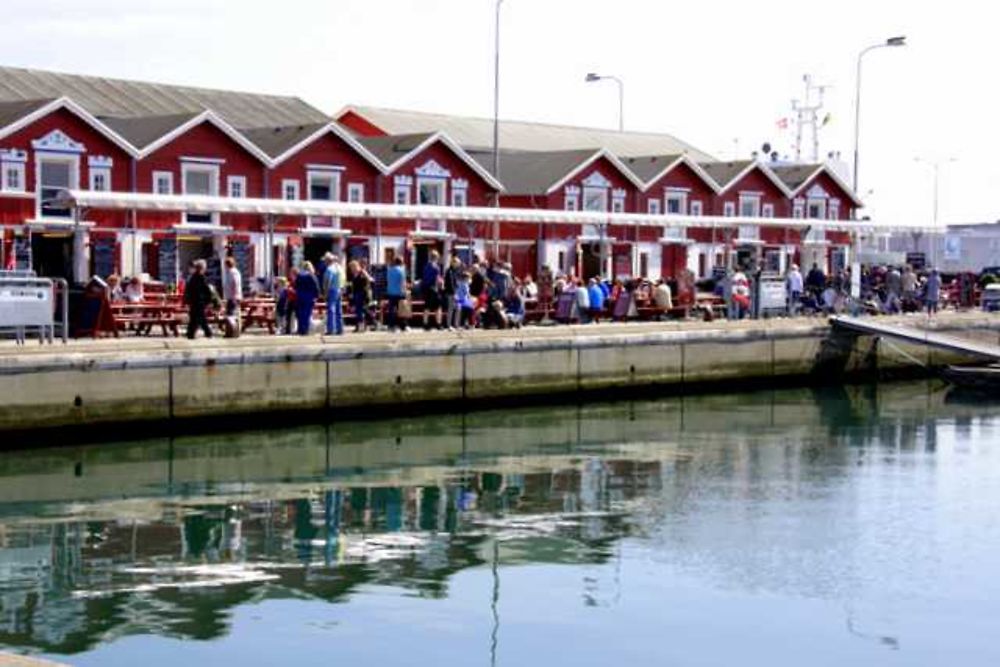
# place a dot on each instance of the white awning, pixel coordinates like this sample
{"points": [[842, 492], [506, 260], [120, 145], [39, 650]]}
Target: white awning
{"points": [[85, 199]]}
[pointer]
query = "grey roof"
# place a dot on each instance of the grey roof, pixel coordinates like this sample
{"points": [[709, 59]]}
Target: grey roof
{"points": [[533, 172], [472, 132], [389, 149], [794, 175], [647, 167], [119, 98], [140, 132], [724, 172], [11, 112], [276, 140]]}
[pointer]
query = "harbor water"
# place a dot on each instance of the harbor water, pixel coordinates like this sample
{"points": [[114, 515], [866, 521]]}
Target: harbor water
{"points": [[847, 525]]}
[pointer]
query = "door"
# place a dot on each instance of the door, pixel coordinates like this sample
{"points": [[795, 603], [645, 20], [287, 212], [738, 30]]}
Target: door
{"points": [[55, 175], [52, 255]]}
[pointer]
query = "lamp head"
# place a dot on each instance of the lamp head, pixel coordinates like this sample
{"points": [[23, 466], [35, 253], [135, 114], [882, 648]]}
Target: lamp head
{"points": [[896, 41], [591, 77]]}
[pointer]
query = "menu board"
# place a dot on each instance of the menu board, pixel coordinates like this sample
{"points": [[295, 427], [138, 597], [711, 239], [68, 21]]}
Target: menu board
{"points": [[380, 280], [22, 253], [243, 254], [102, 251], [214, 273], [167, 261]]}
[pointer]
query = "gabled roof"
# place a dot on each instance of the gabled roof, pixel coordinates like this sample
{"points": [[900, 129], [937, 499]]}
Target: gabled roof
{"points": [[281, 143], [20, 115], [198, 119], [394, 151], [652, 168], [542, 172], [797, 176], [477, 133], [141, 132], [103, 96], [726, 174]]}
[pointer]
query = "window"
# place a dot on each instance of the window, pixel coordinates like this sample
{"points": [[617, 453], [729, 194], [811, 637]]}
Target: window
{"points": [[768, 211], [729, 209], [163, 183], [654, 206], [572, 201], [55, 174], [644, 264], [459, 192], [595, 199], [748, 233], [355, 192], [237, 186], [749, 206], [798, 209], [100, 179], [696, 207], [200, 179], [323, 185], [402, 195], [290, 189], [617, 205], [676, 203], [13, 177], [834, 212], [431, 191], [816, 209]]}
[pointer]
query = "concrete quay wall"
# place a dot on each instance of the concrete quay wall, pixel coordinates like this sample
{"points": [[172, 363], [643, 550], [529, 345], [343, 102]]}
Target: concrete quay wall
{"points": [[121, 382]]}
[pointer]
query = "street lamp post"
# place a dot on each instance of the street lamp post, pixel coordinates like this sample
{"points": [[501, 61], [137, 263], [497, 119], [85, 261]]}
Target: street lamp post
{"points": [[496, 96], [892, 41], [592, 77], [936, 166]]}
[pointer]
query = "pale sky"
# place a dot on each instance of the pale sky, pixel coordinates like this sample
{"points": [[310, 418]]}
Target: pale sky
{"points": [[711, 73]]}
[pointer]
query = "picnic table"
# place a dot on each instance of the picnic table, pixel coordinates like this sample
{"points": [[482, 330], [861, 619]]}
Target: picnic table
{"points": [[143, 316]]}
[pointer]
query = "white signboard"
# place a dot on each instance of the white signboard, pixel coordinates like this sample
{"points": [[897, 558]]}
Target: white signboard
{"points": [[772, 295], [25, 305], [952, 248]]}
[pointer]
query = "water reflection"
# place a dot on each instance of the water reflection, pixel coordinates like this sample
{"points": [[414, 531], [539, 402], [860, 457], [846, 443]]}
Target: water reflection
{"points": [[170, 537]]}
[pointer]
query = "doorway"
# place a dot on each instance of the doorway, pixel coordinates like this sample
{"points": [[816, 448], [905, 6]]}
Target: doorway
{"points": [[421, 255], [591, 264], [314, 247], [52, 255]]}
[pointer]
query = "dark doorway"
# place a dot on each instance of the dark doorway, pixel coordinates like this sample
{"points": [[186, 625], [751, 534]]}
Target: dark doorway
{"points": [[314, 247], [52, 255], [591, 264]]}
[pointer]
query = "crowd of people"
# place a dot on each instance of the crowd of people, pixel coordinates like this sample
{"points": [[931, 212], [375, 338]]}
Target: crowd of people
{"points": [[486, 294]]}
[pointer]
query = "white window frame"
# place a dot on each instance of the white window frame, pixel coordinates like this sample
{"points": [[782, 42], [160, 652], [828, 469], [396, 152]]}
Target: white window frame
{"points": [[572, 201], [653, 206], [748, 233], [439, 183], [241, 182], [460, 197], [675, 196], [356, 193], [696, 207], [729, 209], [798, 209], [13, 164], [595, 190], [833, 210], [74, 175], [754, 200], [290, 186], [165, 177], [95, 174], [212, 169], [821, 203], [401, 194], [332, 176], [767, 210]]}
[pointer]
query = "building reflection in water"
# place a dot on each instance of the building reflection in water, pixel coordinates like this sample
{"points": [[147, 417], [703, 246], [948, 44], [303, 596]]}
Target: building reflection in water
{"points": [[169, 537]]}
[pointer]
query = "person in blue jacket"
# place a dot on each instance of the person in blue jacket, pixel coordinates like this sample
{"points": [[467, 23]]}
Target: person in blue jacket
{"points": [[306, 293], [597, 297], [395, 290], [333, 279]]}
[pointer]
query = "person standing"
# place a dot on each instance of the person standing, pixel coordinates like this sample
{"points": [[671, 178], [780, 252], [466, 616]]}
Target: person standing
{"points": [[793, 286], [932, 292], [332, 281], [595, 295], [361, 294], [430, 284], [306, 293], [395, 290], [198, 296], [451, 276], [232, 291]]}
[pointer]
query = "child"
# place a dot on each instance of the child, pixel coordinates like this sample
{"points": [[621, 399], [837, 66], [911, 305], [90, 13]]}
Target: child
{"points": [[284, 306], [463, 297]]}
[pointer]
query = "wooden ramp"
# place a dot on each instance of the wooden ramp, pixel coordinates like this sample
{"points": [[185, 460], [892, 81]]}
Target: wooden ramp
{"points": [[874, 327]]}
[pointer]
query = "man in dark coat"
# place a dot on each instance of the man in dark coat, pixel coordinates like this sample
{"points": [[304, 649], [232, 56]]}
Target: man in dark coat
{"points": [[198, 296]]}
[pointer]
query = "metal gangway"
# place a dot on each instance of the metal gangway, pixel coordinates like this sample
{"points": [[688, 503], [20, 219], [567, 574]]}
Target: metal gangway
{"points": [[28, 302], [915, 336]]}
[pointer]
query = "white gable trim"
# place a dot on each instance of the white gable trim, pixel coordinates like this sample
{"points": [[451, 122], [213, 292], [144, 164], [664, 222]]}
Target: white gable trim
{"points": [[695, 167], [456, 149], [57, 141], [771, 176], [340, 132], [619, 165], [209, 117], [431, 169], [836, 179], [77, 110]]}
